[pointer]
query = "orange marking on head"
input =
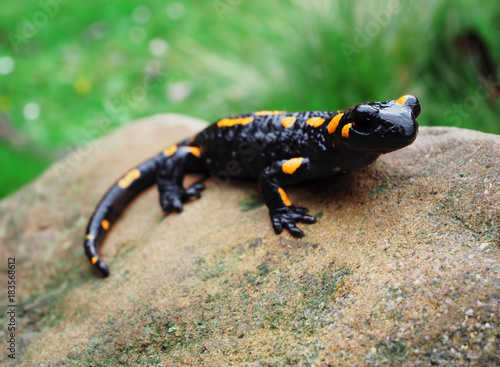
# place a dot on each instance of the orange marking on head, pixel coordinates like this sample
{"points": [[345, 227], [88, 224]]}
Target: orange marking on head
{"points": [[129, 177], [345, 130], [170, 150], [401, 100], [194, 151], [94, 260], [105, 224], [332, 126], [266, 113], [284, 198], [291, 165], [315, 121], [288, 121], [236, 121], [89, 237]]}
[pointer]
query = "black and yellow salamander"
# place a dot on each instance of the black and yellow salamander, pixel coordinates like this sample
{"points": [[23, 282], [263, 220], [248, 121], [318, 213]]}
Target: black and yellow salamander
{"points": [[275, 148]]}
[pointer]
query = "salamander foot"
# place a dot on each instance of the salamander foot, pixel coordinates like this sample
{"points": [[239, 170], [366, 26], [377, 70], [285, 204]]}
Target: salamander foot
{"points": [[172, 197], [287, 217]]}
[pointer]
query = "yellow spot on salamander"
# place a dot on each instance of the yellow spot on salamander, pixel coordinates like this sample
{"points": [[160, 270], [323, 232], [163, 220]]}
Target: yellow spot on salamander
{"points": [[288, 121], [105, 224], [267, 113], [315, 121], [332, 126], [129, 177], [193, 150], [94, 260], [401, 100], [170, 150], [284, 198], [237, 121], [290, 166], [345, 130], [89, 237]]}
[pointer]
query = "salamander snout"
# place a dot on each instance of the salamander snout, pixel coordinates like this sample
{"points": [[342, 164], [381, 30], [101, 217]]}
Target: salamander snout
{"points": [[412, 102]]}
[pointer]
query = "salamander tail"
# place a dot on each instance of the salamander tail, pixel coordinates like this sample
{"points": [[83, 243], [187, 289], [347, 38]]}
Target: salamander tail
{"points": [[112, 204]]}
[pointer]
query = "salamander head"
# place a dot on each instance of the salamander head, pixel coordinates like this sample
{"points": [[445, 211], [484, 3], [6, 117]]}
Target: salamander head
{"points": [[379, 127]]}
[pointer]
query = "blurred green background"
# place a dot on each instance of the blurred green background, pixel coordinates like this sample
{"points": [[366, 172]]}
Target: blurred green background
{"points": [[72, 71]]}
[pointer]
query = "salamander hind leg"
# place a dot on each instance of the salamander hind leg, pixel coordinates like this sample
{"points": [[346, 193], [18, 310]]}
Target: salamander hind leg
{"points": [[285, 215], [171, 174]]}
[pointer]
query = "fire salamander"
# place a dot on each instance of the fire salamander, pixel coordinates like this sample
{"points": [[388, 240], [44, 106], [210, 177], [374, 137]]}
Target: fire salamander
{"points": [[275, 148]]}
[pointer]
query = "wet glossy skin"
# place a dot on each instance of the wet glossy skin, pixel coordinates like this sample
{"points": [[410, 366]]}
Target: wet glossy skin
{"points": [[275, 148]]}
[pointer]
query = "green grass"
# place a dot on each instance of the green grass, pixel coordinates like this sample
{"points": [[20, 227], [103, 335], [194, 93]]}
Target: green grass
{"points": [[229, 56]]}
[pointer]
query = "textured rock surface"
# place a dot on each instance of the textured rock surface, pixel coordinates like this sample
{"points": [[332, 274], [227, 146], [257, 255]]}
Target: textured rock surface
{"points": [[403, 265]]}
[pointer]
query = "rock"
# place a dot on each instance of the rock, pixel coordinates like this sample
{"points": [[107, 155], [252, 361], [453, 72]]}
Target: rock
{"points": [[401, 268]]}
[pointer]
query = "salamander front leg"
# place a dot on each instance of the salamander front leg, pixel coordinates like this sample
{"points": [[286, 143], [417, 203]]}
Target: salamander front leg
{"points": [[285, 215], [171, 174]]}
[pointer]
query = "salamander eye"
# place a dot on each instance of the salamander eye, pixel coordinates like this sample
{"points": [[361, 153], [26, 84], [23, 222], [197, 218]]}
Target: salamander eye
{"points": [[364, 116]]}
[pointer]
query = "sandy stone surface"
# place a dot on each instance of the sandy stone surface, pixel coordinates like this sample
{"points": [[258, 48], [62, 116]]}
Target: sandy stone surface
{"points": [[402, 268]]}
